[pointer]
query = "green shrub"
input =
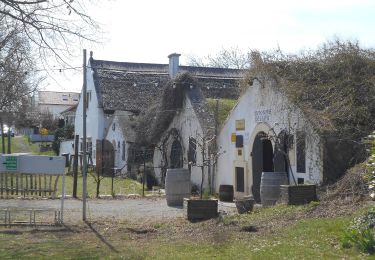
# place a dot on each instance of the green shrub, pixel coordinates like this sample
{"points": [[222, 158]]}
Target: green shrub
{"points": [[360, 233]]}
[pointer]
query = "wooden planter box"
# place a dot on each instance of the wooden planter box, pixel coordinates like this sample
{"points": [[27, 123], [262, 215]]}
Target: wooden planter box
{"points": [[297, 195], [200, 209]]}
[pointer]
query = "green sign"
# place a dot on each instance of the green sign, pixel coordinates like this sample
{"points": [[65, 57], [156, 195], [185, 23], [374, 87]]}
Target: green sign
{"points": [[11, 163]]}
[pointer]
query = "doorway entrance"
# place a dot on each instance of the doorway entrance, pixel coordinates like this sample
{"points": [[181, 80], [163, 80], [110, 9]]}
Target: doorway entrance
{"points": [[262, 161]]}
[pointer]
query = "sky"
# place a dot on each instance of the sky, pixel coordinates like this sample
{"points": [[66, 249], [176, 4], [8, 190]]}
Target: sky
{"points": [[149, 30]]}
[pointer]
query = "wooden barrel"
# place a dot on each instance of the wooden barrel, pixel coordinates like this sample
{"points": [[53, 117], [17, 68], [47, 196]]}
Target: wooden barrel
{"points": [[270, 187], [177, 186], [226, 193]]}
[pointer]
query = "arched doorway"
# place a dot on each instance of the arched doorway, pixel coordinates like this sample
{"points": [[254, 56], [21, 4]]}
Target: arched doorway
{"points": [[262, 161], [176, 157]]}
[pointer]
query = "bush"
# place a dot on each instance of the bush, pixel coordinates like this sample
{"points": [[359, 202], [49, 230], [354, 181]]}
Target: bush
{"points": [[361, 233]]}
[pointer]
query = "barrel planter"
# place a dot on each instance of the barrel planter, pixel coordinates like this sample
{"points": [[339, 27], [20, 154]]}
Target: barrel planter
{"points": [[226, 193], [200, 209], [270, 187], [177, 186], [297, 195]]}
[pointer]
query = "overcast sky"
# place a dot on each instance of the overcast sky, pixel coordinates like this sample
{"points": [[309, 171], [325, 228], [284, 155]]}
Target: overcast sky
{"points": [[149, 30]]}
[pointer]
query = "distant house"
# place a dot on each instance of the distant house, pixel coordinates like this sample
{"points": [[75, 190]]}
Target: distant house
{"points": [[69, 115], [54, 102], [119, 92]]}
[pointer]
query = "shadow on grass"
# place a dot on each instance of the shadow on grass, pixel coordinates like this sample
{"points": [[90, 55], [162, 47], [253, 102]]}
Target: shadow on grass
{"points": [[98, 235]]}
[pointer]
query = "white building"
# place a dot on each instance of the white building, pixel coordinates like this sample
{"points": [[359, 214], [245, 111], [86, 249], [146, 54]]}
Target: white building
{"points": [[261, 129], [118, 92], [53, 102]]}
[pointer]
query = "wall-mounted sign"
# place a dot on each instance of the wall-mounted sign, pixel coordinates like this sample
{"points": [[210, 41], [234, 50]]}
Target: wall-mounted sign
{"points": [[240, 124], [11, 163], [262, 115], [233, 137]]}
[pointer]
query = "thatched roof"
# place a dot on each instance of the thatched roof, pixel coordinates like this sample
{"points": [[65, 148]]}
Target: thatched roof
{"points": [[134, 86]]}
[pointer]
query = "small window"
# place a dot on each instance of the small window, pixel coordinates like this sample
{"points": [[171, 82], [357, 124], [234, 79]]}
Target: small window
{"points": [[88, 98], [65, 97], [113, 126], [301, 152], [118, 144]]}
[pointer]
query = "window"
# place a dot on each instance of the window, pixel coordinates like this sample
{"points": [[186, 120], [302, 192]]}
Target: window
{"points": [[88, 98], [113, 126], [240, 179], [65, 97], [118, 144], [123, 150], [301, 152]]}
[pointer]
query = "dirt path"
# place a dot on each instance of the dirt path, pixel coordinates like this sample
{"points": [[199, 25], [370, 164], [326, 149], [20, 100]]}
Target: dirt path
{"points": [[22, 145]]}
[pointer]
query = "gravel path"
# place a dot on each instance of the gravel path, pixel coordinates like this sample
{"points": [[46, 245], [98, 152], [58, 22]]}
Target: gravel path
{"points": [[134, 209]]}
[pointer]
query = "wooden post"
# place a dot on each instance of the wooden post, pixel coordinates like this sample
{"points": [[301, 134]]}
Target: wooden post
{"points": [[75, 166], [144, 172], [1, 183], [9, 142], [2, 136]]}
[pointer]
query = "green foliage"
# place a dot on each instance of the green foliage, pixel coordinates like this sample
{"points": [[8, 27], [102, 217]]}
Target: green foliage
{"points": [[361, 233], [225, 107], [66, 132]]}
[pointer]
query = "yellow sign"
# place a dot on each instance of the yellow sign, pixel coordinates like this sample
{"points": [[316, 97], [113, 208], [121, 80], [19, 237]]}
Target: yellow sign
{"points": [[240, 124], [233, 137]]}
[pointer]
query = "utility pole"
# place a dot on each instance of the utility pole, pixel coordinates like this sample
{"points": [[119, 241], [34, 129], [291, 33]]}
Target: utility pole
{"points": [[84, 170], [9, 141]]}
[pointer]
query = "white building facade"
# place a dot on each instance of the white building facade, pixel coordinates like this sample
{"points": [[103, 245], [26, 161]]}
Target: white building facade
{"points": [[262, 124]]}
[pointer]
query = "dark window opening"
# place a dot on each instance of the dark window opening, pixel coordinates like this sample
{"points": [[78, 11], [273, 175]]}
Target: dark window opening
{"points": [[176, 155], [123, 150]]}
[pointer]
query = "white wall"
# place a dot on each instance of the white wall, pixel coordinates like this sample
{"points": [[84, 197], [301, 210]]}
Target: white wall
{"points": [[264, 109], [186, 122], [67, 147], [97, 122], [115, 135]]}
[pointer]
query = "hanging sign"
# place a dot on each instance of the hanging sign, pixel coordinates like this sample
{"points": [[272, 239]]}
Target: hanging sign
{"points": [[233, 137]]}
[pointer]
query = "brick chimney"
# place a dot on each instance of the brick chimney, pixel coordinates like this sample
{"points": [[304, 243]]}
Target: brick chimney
{"points": [[173, 64]]}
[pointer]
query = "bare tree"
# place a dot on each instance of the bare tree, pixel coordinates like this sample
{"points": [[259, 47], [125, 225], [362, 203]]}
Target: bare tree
{"points": [[232, 58], [51, 27]]}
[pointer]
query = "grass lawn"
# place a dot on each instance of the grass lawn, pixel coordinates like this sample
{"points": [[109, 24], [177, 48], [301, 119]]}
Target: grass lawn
{"points": [[20, 144], [279, 235], [120, 186]]}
